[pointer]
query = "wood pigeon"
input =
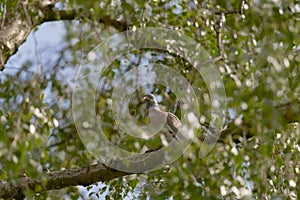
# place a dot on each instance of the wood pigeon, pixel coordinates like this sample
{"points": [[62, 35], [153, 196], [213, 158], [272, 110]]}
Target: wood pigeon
{"points": [[158, 116]]}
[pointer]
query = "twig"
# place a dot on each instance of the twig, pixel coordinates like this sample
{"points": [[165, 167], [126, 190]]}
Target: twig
{"points": [[38, 60], [296, 51], [219, 24], [4, 14], [235, 11], [290, 103], [218, 27]]}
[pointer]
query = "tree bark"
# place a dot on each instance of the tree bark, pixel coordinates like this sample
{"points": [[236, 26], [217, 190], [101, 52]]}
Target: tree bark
{"points": [[56, 180]]}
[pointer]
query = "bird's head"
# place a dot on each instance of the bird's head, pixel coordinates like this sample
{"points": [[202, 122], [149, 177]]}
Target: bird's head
{"points": [[150, 101]]}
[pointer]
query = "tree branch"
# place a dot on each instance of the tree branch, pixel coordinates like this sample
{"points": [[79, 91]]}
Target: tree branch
{"points": [[218, 26], [82, 176], [289, 112], [60, 179], [15, 30]]}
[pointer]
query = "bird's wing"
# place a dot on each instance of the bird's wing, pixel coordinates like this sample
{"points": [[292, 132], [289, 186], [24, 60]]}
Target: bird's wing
{"points": [[173, 123]]}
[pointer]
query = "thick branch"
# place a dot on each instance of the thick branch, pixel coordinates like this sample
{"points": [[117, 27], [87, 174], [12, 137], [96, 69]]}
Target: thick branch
{"points": [[15, 31], [60, 179], [83, 176], [285, 113]]}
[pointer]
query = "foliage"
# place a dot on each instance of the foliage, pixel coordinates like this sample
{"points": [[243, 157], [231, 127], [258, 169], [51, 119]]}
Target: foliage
{"points": [[260, 50]]}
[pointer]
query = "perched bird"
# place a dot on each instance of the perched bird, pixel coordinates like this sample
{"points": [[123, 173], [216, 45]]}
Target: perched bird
{"points": [[157, 116]]}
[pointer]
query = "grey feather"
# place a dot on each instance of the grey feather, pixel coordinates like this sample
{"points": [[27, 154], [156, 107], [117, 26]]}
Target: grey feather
{"points": [[155, 114], [173, 123]]}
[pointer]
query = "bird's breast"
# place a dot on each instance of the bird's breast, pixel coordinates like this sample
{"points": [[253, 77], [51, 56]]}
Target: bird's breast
{"points": [[157, 117]]}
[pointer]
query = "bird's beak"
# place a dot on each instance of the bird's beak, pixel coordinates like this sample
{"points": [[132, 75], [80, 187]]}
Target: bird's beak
{"points": [[145, 98]]}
